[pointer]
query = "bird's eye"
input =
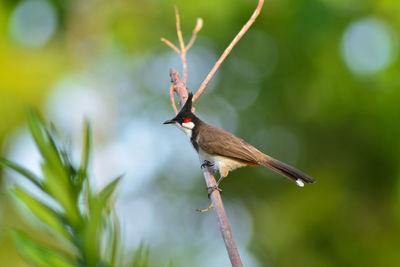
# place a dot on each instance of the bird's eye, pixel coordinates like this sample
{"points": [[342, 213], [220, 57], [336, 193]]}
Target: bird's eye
{"points": [[187, 120]]}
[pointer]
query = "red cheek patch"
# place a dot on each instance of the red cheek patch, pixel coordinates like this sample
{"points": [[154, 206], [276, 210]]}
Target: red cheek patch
{"points": [[187, 120], [253, 164]]}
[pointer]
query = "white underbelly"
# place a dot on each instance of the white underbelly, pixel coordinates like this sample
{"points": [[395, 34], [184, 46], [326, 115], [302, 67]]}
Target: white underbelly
{"points": [[227, 163]]}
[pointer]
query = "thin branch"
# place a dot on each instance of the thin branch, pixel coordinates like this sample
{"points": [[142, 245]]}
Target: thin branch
{"points": [[215, 196], [228, 49], [171, 95], [178, 29], [184, 49], [179, 87], [223, 221], [182, 44], [199, 25], [171, 45], [184, 66]]}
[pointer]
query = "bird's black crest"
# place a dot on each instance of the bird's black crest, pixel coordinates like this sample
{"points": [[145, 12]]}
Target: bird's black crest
{"points": [[186, 110], [188, 105]]}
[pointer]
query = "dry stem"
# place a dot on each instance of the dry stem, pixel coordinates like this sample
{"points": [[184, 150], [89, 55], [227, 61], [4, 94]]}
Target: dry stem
{"points": [[179, 87], [210, 181], [171, 96], [184, 49]]}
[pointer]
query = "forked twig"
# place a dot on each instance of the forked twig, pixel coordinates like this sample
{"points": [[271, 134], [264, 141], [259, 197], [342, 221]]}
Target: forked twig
{"points": [[215, 196], [179, 87], [170, 45], [184, 49]]}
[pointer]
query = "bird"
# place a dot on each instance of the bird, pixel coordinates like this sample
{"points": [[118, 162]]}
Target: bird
{"points": [[224, 152]]}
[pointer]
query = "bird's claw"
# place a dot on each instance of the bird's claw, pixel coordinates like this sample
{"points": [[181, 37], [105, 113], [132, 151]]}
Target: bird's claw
{"points": [[206, 163], [212, 189]]}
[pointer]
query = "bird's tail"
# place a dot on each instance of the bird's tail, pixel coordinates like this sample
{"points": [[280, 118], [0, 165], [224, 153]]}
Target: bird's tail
{"points": [[290, 172]]}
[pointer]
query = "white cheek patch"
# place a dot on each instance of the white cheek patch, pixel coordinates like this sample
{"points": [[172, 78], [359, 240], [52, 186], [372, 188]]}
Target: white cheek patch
{"points": [[186, 130], [188, 125]]}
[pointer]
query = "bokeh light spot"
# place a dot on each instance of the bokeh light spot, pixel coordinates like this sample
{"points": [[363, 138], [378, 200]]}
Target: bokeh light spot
{"points": [[368, 46], [33, 22], [258, 56]]}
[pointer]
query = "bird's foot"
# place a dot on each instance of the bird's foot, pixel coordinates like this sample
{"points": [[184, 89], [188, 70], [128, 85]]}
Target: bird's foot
{"points": [[212, 189], [206, 163]]}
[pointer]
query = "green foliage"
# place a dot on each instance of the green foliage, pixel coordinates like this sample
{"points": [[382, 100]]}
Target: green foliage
{"points": [[141, 258], [86, 235], [285, 88], [40, 255]]}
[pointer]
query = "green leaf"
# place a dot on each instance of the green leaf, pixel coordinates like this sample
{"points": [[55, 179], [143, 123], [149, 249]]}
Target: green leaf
{"points": [[43, 140], [62, 192], [47, 215], [82, 173], [87, 143], [56, 175], [107, 191], [114, 238], [91, 233], [40, 255], [141, 257], [21, 170], [94, 223]]}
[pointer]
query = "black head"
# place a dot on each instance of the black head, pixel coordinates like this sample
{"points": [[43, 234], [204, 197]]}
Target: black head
{"points": [[184, 116]]}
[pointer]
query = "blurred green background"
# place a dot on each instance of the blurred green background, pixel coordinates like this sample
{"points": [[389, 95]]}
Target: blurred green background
{"points": [[314, 83]]}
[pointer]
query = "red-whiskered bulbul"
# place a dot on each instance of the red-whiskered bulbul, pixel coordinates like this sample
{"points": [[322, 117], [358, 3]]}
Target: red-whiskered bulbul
{"points": [[226, 152]]}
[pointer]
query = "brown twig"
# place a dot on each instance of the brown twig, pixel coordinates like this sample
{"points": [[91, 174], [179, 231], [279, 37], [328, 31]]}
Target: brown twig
{"points": [[222, 219], [228, 50], [171, 45], [215, 196], [171, 96], [182, 52], [182, 45], [179, 87], [199, 25], [178, 29]]}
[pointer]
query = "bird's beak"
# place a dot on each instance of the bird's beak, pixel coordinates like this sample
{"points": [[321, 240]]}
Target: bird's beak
{"points": [[169, 122]]}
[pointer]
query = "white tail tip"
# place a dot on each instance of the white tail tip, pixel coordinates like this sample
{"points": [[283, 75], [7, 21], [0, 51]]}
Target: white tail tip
{"points": [[299, 183]]}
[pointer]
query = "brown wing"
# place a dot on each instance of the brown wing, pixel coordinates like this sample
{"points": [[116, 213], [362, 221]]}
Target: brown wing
{"points": [[219, 142]]}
